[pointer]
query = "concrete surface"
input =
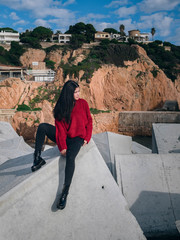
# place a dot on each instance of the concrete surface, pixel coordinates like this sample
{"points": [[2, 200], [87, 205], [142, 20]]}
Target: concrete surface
{"points": [[150, 184], [6, 131], [13, 148], [95, 210], [166, 138]]}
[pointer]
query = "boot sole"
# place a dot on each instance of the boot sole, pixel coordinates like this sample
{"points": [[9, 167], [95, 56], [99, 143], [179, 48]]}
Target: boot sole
{"points": [[61, 207], [35, 168]]}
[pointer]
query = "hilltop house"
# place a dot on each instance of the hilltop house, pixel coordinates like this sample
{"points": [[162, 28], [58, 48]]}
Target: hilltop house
{"points": [[139, 37], [134, 34], [7, 37], [102, 35], [61, 38]]}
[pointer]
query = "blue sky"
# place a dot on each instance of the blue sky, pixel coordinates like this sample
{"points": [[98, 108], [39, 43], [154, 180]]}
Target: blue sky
{"points": [[163, 15]]}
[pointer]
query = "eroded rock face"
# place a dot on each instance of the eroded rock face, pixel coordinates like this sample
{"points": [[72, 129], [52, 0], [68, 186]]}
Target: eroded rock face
{"points": [[132, 87], [59, 56], [32, 55], [14, 91]]}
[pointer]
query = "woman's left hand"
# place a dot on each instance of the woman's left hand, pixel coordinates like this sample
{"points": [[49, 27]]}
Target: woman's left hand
{"points": [[85, 142]]}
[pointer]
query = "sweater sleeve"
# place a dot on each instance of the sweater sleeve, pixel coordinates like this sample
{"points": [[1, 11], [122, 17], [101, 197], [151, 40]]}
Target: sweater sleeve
{"points": [[89, 124], [61, 135]]}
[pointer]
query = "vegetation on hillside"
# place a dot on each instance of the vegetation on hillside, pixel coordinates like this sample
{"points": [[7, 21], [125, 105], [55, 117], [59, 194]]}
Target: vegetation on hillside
{"points": [[106, 53], [168, 61], [12, 56], [33, 38]]}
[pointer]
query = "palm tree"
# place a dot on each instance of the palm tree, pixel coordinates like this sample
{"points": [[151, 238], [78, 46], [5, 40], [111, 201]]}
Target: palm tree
{"points": [[122, 28], [153, 30]]}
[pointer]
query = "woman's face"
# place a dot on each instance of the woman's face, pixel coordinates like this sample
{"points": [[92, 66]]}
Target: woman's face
{"points": [[76, 93]]}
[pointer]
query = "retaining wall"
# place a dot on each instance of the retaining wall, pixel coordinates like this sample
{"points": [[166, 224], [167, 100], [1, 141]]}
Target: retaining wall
{"points": [[135, 123]]}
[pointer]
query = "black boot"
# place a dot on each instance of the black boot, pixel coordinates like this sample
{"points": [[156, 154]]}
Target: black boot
{"points": [[62, 201], [38, 161]]}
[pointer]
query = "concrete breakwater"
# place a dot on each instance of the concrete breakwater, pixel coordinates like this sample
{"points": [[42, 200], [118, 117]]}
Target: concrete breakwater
{"points": [[134, 123]]}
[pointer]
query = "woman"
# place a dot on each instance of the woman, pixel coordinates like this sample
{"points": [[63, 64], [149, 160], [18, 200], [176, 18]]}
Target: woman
{"points": [[73, 129]]}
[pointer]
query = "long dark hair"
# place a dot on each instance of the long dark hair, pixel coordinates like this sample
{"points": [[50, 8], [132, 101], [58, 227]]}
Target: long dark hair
{"points": [[65, 103]]}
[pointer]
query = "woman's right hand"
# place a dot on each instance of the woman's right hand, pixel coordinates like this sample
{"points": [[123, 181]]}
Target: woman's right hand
{"points": [[63, 152]]}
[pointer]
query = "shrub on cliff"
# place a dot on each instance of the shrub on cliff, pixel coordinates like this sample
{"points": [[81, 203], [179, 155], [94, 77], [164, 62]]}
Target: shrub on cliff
{"points": [[166, 60], [31, 42], [115, 54], [107, 53], [23, 107], [12, 56]]}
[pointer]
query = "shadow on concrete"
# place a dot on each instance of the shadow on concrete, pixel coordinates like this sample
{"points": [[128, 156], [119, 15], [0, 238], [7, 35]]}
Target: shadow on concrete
{"points": [[156, 213], [16, 170]]}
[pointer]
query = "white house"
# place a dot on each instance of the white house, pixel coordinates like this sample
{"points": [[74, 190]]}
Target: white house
{"points": [[43, 75], [8, 37], [61, 38]]}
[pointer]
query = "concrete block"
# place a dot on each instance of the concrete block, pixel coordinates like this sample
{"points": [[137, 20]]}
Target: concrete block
{"points": [[137, 148], [150, 184], [6, 131], [13, 148], [166, 138], [109, 144], [96, 209], [178, 225]]}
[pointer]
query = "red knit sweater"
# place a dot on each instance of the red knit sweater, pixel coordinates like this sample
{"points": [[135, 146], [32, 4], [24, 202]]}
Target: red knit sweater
{"points": [[80, 125]]}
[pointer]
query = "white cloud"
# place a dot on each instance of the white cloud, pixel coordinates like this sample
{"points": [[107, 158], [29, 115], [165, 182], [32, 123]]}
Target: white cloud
{"points": [[20, 22], [160, 21], [116, 3], [175, 38], [27, 4], [41, 22], [14, 16], [124, 11], [92, 17], [68, 2], [20, 30], [54, 12], [1, 24], [129, 25], [149, 6]]}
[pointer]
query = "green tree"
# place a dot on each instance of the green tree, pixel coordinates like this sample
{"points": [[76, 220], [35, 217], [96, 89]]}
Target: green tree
{"points": [[85, 30], [16, 49], [77, 40], [31, 42], [42, 33], [153, 31], [110, 30], [7, 29], [89, 32]]}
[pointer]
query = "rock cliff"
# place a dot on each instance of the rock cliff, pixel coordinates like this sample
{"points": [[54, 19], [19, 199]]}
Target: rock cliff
{"points": [[139, 85]]}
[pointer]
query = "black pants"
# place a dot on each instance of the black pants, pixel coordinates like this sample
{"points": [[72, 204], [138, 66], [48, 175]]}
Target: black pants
{"points": [[73, 147]]}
